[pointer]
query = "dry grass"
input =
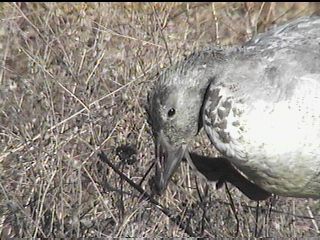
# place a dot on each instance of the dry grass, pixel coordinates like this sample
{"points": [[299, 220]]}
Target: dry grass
{"points": [[73, 81]]}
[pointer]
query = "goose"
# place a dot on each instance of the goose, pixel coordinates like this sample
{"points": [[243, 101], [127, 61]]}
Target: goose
{"points": [[259, 104]]}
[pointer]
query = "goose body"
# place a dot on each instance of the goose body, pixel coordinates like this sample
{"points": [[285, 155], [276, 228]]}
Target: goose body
{"points": [[259, 105]]}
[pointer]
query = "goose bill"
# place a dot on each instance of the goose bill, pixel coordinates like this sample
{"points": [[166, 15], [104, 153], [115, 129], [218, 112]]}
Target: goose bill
{"points": [[168, 159]]}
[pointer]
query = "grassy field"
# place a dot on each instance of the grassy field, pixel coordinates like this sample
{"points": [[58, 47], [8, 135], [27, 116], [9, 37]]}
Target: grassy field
{"points": [[73, 82]]}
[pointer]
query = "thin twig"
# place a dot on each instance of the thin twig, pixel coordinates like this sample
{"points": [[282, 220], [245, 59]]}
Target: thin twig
{"points": [[216, 22], [233, 209], [146, 174], [256, 220], [313, 221], [162, 34]]}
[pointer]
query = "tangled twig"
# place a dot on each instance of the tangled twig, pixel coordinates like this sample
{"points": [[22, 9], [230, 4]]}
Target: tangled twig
{"points": [[187, 229]]}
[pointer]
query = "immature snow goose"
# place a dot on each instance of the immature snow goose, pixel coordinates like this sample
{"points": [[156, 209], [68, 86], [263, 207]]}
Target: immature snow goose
{"points": [[259, 105]]}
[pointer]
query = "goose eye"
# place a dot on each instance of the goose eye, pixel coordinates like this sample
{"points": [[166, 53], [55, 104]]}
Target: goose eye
{"points": [[171, 112]]}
